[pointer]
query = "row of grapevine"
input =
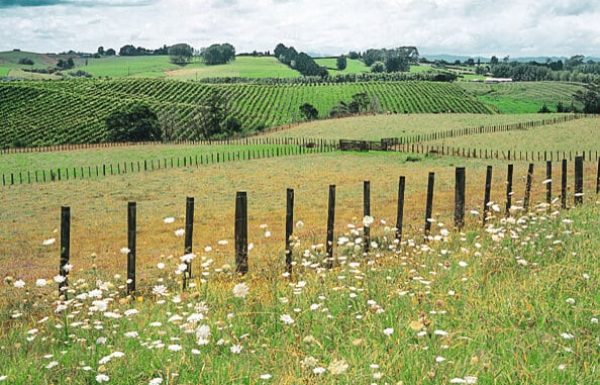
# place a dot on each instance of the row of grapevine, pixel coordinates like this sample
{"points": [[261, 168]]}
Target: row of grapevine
{"points": [[74, 111]]}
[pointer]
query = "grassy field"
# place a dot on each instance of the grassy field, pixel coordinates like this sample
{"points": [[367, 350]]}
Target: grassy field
{"points": [[92, 157], [394, 126], [523, 97], [354, 66], [478, 306], [132, 66], [576, 135], [41, 113], [242, 66]]}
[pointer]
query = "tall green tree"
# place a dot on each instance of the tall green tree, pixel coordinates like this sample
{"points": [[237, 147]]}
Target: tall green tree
{"points": [[590, 98], [181, 53], [341, 63], [135, 123]]}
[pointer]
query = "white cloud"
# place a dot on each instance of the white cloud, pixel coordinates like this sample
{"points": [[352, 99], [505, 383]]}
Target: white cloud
{"points": [[441, 26]]}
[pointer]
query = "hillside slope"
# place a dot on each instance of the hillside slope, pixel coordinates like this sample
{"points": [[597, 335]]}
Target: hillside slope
{"points": [[74, 111]]}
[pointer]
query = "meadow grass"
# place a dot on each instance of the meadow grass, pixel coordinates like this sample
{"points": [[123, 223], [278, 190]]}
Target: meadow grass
{"points": [[242, 66], [354, 66], [125, 66], [517, 303], [375, 127], [577, 135]]}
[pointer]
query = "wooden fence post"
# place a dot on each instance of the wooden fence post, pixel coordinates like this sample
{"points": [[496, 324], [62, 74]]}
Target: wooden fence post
{"points": [[241, 232], [400, 212], [509, 184], [429, 206], [528, 188], [598, 178], [188, 237], [289, 229], [459, 197], [578, 198], [366, 212], [131, 245], [548, 182], [486, 195], [330, 226], [65, 248], [563, 187]]}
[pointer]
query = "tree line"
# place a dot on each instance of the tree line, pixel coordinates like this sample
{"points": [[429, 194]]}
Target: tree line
{"points": [[301, 62]]}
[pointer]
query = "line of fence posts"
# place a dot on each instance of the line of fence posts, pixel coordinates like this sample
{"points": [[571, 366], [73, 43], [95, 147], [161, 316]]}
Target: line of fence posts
{"points": [[241, 219], [146, 165]]}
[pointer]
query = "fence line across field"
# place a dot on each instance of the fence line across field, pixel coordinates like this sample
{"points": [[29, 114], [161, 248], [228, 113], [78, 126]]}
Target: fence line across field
{"points": [[241, 219], [96, 171]]}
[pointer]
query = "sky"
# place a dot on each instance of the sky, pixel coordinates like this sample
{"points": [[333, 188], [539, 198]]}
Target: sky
{"points": [[464, 27]]}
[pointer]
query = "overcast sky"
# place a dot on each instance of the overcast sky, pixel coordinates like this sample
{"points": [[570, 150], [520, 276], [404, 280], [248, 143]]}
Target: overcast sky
{"points": [[466, 27]]}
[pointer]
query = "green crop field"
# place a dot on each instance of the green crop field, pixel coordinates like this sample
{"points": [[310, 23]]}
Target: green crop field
{"points": [[42, 113], [354, 66], [523, 97], [395, 126], [127, 66], [577, 135]]}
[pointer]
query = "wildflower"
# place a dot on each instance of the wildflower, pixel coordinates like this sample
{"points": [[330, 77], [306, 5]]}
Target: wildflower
{"points": [[594, 320], [160, 265], [59, 278], [337, 367], [236, 349], [570, 301], [265, 376], [441, 333], [222, 242], [19, 284], [567, 336], [49, 242], [100, 378], [286, 319], [319, 370], [179, 232], [240, 290], [562, 367], [51, 364], [174, 348], [202, 335], [267, 234], [2, 378], [439, 359], [299, 224], [169, 220], [125, 250], [159, 290], [388, 331], [368, 221], [463, 264]]}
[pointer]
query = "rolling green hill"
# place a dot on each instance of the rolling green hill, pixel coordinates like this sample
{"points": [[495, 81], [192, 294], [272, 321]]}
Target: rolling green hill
{"points": [[143, 66], [354, 66], [74, 111]]}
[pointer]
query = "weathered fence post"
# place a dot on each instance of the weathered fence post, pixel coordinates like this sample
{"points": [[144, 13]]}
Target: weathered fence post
{"points": [[241, 232], [486, 195], [429, 206], [578, 196], [459, 197], [563, 186], [509, 184], [330, 226], [598, 178], [548, 182], [366, 213], [289, 229], [400, 212], [131, 245], [528, 188], [65, 247], [188, 237]]}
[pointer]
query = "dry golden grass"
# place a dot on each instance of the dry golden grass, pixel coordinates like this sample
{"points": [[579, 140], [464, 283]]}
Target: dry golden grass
{"points": [[30, 215]]}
